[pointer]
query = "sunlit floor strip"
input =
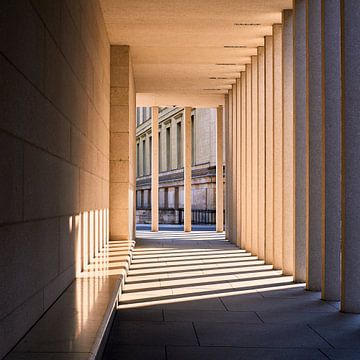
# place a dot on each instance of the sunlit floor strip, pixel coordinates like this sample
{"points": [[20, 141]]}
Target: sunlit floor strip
{"points": [[170, 267]]}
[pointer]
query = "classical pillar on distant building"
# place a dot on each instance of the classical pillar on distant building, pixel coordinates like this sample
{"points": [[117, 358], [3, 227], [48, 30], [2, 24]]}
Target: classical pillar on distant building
{"points": [[187, 168], [219, 171], [350, 130], [331, 38], [155, 170]]}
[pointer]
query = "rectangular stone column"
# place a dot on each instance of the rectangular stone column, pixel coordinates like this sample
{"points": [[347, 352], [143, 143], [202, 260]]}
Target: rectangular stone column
{"points": [[219, 171], [301, 140], [155, 169], [278, 147], [350, 131], [331, 27], [243, 161], [238, 162], [254, 149], [316, 156], [269, 151], [122, 145], [227, 165], [261, 152], [234, 164], [229, 171], [248, 240], [288, 124], [187, 168]]}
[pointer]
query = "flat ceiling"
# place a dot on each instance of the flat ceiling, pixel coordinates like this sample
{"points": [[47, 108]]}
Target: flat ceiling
{"points": [[189, 49]]}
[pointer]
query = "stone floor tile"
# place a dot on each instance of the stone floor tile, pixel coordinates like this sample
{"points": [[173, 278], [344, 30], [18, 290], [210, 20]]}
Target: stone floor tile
{"points": [[138, 315], [135, 352], [201, 304], [47, 356], [340, 335], [213, 316], [240, 303], [312, 318], [296, 292], [232, 353], [263, 335], [155, 294], [153, 333], [142, 286], [342, 354]]}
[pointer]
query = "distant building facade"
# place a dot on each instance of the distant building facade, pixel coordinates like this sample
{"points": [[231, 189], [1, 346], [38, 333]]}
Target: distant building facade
{"points": [[171, 171]]}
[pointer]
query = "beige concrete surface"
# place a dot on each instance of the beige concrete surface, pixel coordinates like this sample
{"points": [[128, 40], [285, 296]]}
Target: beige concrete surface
{"points": [[155, 170], [248, 240], [261, 153], [238, 160], [219, 170], [187, 169], [188, 62], [254, 156], [229, 170], [243, 150], [269, 151], [234, 209], [288, 145], [122, 144], [278, 146]]}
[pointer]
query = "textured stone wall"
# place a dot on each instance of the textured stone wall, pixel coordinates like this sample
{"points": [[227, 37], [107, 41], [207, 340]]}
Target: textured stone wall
{"points": [[54, 146], [205, 136]]}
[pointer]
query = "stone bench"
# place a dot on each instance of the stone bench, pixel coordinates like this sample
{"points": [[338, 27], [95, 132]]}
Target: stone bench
{"points": [[76, 325]]}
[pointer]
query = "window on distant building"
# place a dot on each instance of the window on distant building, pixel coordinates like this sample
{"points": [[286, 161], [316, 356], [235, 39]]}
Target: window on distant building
{"points": [[160, 148], [137, 116], [166, 198], [177, 197], [143, 114], [193, 152], [168, 149], [150, 155], [179, 145], [138, 159], [143, 158]]}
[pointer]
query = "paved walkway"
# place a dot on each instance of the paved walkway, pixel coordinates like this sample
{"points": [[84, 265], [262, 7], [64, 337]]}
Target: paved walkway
{"points": [[197, 296], [175, 227]]}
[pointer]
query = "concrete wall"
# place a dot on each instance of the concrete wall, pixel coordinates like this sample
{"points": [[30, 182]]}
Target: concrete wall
{"points": [[54, 146]]}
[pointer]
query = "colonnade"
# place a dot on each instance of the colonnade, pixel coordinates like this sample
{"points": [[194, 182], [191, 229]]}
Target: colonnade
{"points": [[292, 135]]}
